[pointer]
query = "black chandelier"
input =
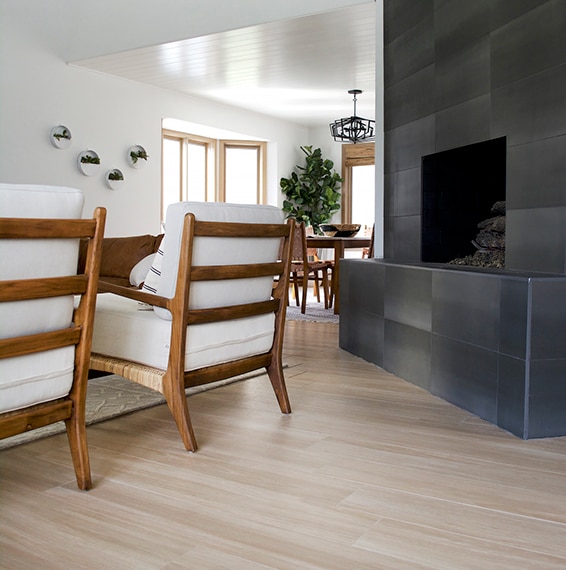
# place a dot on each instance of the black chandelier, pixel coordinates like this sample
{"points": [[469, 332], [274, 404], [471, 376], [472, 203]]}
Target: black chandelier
{"points": [[352, 129]]}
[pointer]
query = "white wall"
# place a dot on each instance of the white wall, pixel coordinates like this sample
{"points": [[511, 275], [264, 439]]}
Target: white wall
{"points": [[107, 114]]}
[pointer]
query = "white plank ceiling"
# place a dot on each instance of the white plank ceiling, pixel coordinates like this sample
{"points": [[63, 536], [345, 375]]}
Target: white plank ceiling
{"points": [[297, 69]]}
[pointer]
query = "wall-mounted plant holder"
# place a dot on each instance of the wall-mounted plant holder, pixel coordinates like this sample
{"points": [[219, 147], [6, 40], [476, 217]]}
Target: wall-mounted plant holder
{"points": [[114, 179], [88, 162], [60, 137], [137, 156]]}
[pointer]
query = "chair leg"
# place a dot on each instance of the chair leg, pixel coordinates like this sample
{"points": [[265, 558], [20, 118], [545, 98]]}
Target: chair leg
{"points": [[177, 402], [305, 291], [76, 434], [275, 373], [296, 288], [325, 287], [316, 287]]}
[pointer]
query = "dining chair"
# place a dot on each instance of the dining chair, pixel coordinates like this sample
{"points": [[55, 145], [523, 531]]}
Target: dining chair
{"points": [[305, 267]]}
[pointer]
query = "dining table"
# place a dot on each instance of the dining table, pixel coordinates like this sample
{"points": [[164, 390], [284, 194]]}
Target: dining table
{"points": [[339, 245]]}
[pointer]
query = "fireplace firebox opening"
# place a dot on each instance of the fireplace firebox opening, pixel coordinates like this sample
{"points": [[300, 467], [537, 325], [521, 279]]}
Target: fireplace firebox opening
{"points": [[461, 189]]}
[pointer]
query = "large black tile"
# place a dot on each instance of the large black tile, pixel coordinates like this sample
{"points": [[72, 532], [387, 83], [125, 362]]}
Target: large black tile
{"points": [[536, 175], [535, 239], [514, 317], [458, 24], [529, 44], [547, 400], [407, 198], [465, 375], [410, 99], [407, 353], [512, 399], [463, 124], [503, 11], [409, 52], [406, 145], [362, 334], [408, 296], [405, 238], [362, 285], [463, 75], [548, 320], [465, 307], [531, 109], [399, 16]]}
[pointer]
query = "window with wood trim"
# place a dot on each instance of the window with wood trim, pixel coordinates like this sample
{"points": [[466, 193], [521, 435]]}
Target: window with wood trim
{"points": [[211, 170], [358, 186], [242, 172]]}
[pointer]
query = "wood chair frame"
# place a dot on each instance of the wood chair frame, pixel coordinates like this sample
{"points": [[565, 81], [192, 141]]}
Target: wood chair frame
{"points": [[173, 381], [70, 409], [302, 269]]}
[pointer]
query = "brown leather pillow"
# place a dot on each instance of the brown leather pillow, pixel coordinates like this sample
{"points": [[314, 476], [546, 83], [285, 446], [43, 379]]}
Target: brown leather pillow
{"points": [[120, 254]]}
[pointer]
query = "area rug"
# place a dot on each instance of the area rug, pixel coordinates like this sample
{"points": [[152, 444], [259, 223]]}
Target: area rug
{"points": [[112, 396], [315, 312]]}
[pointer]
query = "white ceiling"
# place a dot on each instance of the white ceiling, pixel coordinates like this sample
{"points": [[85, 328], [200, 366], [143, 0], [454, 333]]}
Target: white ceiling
{"points": [[296, 69]]}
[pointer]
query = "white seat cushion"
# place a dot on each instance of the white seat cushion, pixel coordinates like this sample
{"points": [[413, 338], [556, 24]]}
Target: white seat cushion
{"points": [[122, 331], [44, 376]]}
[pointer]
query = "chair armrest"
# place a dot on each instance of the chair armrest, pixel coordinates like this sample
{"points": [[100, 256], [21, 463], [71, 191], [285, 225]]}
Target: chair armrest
{"points": [[133, 293]]}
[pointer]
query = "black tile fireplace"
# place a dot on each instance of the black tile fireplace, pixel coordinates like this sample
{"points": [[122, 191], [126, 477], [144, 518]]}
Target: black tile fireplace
{"points": [[461, 77]]}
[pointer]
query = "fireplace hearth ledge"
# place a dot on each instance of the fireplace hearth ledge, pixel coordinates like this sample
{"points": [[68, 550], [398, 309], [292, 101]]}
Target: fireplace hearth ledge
{"points": [[491, 341]]}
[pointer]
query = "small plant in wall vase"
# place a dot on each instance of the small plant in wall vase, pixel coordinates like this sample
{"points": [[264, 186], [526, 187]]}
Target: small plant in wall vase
{"points": [[60, 137], [137, 156], [88, 162], [114, 179]]}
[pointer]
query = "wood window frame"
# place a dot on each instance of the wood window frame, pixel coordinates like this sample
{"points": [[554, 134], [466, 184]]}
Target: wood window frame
{"points": [[261, 166], [360, 154]]}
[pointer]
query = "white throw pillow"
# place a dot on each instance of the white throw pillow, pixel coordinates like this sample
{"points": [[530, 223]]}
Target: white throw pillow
{"points": [[153, 276], [140, 269]]}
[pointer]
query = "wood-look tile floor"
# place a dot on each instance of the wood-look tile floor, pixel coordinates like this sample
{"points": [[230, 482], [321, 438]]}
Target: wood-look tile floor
{"points": [[368, 471]]}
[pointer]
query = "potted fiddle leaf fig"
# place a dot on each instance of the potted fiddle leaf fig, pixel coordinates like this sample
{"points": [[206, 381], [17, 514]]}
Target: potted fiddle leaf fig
{"points": [[312, 191]]}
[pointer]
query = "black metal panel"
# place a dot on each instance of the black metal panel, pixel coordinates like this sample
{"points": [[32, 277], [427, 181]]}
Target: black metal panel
{"points": [[512, 404], [465, 375], [407, 353], [408, 295], [465, 307], [547, 415]]}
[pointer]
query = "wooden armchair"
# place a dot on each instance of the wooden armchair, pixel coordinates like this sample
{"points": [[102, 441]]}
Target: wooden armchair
{"points": [[212, 313], [44, 340]]}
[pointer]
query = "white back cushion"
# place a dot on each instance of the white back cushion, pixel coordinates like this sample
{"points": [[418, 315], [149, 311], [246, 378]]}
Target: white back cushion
{"points": [[219, 251], [36, 378]]}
